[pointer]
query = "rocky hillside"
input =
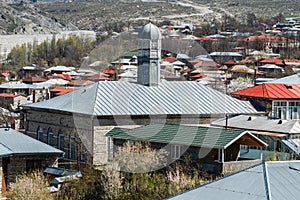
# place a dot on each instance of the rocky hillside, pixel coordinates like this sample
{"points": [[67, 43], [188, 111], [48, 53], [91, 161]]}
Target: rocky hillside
{"points": [[26, 18], [102, 15]]}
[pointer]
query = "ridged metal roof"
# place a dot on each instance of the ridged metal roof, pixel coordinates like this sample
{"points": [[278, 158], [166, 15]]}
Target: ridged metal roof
{"points": [[197, 136], [260, 124], [270, 180], [292, 79], [125, 98], [13, 142], [270, 91]]}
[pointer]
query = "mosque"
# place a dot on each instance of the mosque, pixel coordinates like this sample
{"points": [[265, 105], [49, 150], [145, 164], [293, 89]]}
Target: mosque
{"points": [[77, 122]]}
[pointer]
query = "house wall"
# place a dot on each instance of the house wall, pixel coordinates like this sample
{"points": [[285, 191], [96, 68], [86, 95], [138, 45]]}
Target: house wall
{"points": [[205, 158], [77, 131], [6, 102], [17, 164], [195, 154]]}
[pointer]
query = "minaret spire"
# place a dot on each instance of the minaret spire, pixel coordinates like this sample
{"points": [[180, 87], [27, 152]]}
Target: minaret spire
{"points": [[149, 55]]}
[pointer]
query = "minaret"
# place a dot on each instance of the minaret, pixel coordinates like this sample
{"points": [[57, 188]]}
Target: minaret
{"points": [[149, 55]]}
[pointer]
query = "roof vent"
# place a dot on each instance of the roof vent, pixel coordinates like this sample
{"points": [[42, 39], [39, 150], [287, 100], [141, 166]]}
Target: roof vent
{"points": [[6, 129], [249, 118], [289, 86], [279, 122], [294, 168]]}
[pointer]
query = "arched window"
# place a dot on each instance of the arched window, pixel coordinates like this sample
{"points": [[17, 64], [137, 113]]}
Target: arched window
{"points": [[39, 133], [61, 140], [72, 147], [50, 137]]}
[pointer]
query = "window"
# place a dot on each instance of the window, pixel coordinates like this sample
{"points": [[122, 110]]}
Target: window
{"points": [[33, 165], [72, 149], [286, 110], [61, 140], [50, 137], [175, 151], [39, 133]]}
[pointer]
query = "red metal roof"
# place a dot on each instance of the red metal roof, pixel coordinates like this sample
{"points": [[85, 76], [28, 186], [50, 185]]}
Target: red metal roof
{"points": [[205, 38], [291, 61], [63, 76], [60, 91], [6, 74], [9, 95], [270, 91], [200, 75], [169, 59], [109, 71], [272, 61], [230, 62]]}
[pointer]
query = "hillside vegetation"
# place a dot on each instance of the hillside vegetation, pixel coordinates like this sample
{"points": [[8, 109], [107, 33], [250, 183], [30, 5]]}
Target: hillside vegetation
{"points": [[116, 15]]}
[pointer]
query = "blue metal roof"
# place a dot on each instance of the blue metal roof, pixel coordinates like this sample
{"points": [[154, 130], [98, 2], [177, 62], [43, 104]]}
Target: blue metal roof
{"points": [[292, 79], [270, 180], [13, 142], [107, 98]]}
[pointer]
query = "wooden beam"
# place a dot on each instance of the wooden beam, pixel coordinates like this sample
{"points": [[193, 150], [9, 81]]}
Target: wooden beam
{"points": [[223, 155]]}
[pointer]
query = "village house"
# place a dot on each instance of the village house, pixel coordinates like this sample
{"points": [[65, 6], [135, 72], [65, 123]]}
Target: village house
{"points": [[279, 100], [20, 153], [217, 150], [282, 136], [77, 121], [12, 101]]}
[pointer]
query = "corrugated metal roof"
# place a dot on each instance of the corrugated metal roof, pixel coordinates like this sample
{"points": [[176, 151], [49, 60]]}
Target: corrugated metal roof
{"points": [[4, 151], [225, 54], [260, 123], [270, 91], [15, 85], [281, 178], [198, 136], [125, 98], [13, 142], [293, 79], [292, 145]]}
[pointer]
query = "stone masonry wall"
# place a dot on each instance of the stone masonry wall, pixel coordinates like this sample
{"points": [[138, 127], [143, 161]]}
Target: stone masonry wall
{"points": [[77, 131], [17, 164], [86, 134]]}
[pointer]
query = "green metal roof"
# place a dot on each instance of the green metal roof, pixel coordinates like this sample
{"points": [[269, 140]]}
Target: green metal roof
{"points": [[209, 137], [130, 54]]}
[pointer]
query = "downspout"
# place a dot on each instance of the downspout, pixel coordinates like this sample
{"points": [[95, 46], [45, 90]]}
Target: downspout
{"points": [[226, 121]]}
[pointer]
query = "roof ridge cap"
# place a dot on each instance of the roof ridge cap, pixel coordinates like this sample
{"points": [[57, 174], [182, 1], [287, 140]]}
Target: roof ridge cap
{"points": [[266, 181], [95, 97]]}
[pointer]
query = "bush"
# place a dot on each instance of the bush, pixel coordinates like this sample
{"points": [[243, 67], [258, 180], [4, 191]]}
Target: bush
{"points": [[31, 186]]}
